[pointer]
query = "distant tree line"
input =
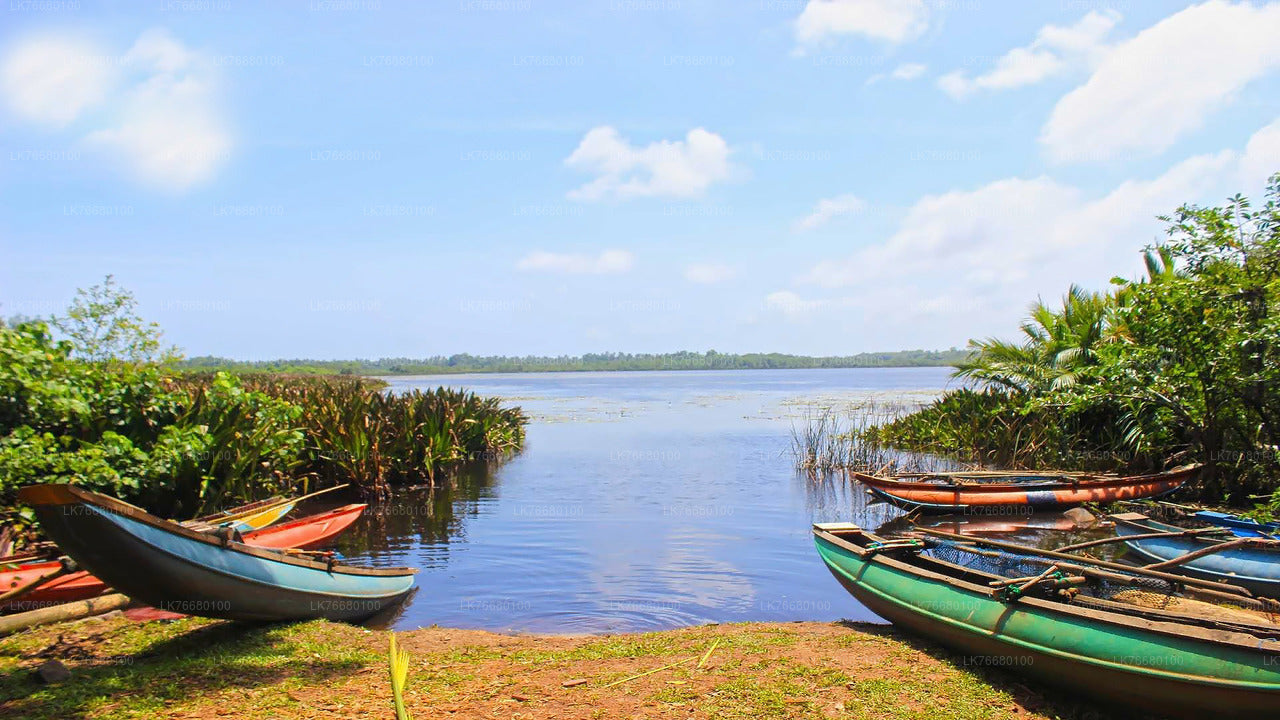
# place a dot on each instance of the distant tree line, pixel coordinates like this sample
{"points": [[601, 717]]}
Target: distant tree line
{"points": [[464, 363]]}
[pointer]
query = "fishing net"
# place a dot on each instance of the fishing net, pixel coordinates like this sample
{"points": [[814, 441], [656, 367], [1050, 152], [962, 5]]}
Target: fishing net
{"points": [[1137, 591]]}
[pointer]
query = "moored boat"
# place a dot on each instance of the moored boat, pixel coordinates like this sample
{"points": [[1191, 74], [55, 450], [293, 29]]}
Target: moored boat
{"points": [[254, 516], [1255, 567], [1150, 659], [1015, 492], [1239, 526], [179, 569], [304, 533]]}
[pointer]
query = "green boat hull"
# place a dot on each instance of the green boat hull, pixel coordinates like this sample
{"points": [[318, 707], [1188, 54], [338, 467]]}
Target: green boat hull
{"points": [[1141, 663]]}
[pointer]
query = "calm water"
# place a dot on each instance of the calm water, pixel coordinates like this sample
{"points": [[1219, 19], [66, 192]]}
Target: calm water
{"points": [[642, 501]]}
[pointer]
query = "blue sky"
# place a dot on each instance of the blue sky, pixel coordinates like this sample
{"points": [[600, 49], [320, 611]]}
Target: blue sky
{"points": [[372, 178]]}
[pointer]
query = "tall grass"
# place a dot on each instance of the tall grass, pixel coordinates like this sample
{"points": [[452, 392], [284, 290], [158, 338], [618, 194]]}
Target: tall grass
{"points": [[830, 443]]}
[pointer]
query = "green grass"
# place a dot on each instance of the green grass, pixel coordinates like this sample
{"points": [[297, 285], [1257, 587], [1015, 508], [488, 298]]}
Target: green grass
{"points": [[150, 665]]}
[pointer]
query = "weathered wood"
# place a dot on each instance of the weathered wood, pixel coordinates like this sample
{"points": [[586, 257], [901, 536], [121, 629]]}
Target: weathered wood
{"points": [[1025, 549], [1212, 550], [1110, 540], [61, 613]]}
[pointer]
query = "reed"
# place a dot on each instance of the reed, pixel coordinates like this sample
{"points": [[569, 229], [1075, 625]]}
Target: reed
{"points": [[831, 442]]}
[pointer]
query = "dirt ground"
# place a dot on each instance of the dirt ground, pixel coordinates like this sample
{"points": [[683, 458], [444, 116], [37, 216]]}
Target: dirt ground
{"points": [[205, 669]]}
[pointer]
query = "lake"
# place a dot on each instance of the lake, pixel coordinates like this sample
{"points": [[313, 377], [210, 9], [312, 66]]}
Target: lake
{"points": [[642, 501]]}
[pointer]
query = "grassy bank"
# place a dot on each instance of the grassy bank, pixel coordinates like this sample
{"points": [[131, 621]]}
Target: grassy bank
{"points": [[195, 668]]}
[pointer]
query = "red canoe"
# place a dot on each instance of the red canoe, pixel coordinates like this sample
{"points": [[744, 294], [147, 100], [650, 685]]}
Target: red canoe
{"points": [[1014, 491], [303, 533]]}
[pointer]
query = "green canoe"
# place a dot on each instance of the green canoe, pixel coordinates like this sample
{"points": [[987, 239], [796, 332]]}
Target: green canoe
{"points": [[1153, 660]]}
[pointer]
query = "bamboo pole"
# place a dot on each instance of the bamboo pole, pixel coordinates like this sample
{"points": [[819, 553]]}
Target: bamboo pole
{"points": [[60, 613], [1262, 604], [1015, 547], [1213, 550], [1144, 536]]}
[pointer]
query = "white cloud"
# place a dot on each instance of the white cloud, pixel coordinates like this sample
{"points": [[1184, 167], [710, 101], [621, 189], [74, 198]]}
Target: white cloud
{"points": [[156, 108], [829, 208], [891, 20], [607, 262], [792, 305], [905, 71], [708, 273], [1055, 50], [999, 246], [681, 168], [908, 71], [51, 80], [1155, 88], [1261, 157], [170, 130]]}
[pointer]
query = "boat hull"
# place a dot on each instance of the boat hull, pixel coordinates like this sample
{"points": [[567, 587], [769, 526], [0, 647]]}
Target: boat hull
{"points": [[308, 532], [1257, 569], [1013, 498], [1149, 668], [179, 570]]}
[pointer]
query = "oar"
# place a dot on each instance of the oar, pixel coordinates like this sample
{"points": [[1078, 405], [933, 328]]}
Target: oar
{"points": [[256, 511], [1027, 550], [1143, 536]]}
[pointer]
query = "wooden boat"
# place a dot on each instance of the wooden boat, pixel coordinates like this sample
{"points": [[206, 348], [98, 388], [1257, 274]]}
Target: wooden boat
{"points": [[304, 533], [1239, 526], [1256, 568], [1015, 492], [1153, 660], [243, 519], [182, 570]]}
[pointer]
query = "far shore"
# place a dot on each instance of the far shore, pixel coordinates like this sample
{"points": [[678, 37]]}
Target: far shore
{"points": [[196, 668]]}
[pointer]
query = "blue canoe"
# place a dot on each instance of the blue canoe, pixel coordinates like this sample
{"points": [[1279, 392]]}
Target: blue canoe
{"points": [[1240, 527], [183, 570], [1254, 568]]}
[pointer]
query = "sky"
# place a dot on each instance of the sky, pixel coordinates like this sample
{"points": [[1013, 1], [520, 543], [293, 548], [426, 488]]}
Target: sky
{"points": [[369, 178]]}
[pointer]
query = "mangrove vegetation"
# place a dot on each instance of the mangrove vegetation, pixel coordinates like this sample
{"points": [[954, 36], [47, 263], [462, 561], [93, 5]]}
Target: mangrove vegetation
{"points": [[710, 360], [1179, 366], [91, 399]]}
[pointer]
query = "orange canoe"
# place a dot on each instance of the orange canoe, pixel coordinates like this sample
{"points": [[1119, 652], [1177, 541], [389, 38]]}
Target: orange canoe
{"points": [[1015, 492], [303, 533]]}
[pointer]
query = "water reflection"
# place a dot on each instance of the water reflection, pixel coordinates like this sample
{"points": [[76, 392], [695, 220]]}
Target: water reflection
{"points": [[641, 501]]}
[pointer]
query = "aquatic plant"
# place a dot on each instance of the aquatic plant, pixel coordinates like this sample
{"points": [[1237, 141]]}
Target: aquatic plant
{"points": [[399, 662], [185, 445]]}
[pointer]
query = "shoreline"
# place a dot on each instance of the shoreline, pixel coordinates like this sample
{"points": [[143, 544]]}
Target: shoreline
{"points": [[198, 668]]}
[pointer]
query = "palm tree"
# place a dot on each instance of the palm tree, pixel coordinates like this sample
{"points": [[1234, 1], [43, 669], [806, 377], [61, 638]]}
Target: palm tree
{"points": [[1057, 348]]}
